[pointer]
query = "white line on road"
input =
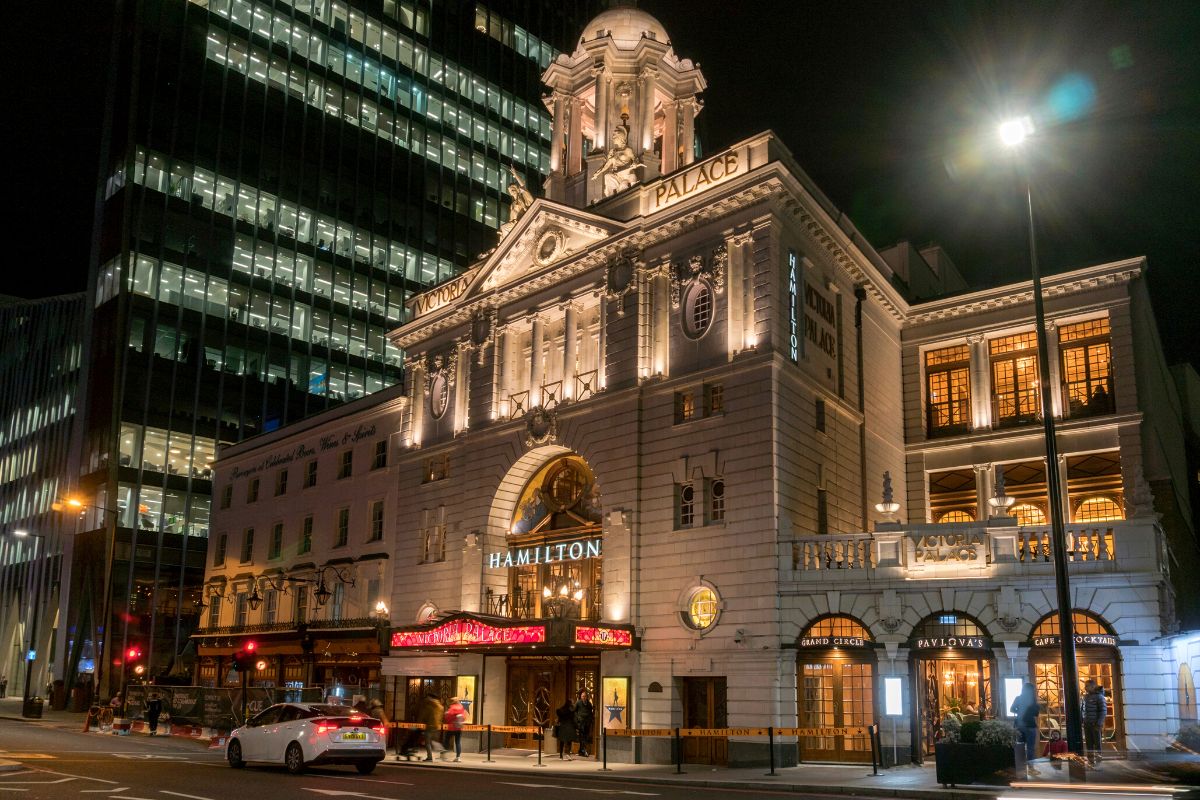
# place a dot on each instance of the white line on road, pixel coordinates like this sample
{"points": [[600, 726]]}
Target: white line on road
{"points": [[181, 794], [81, 777], [10, 789], [577, 788], [129, 797], [39, 783], [104, 791], [339, 793]]}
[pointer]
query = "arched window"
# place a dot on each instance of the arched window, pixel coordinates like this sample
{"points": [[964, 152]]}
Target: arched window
{"points": [[837, 625], [1098, 508], [1084, 622], [947, 624], [956, 515], [697, 309], [1028, 514]]}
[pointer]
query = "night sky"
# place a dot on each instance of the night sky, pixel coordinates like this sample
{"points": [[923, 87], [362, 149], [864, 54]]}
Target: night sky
{"points": [[889, 106]]}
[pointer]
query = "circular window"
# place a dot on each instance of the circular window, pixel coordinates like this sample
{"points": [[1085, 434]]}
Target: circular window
{"points": [[566, 486], [702, 609], [439, 395], [697, 309]]}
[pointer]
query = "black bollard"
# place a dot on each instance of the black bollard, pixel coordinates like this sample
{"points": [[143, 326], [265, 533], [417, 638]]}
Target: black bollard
{"points": [[678, 753], [604, 749], [541, 737], [489, 744], [771, 746]]}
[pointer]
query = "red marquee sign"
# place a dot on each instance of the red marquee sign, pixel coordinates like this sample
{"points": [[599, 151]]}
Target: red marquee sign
{"points": [[612, 637], [465, 632]]}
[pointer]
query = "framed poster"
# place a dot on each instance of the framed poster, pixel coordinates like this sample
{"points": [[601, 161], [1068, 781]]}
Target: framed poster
{"points": [[614, 700], [464, 690]]}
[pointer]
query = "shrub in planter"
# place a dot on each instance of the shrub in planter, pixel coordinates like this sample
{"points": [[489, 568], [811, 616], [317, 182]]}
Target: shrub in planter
{"points": [[997, 733], [992, 759], [951, 728], [970, 732]]}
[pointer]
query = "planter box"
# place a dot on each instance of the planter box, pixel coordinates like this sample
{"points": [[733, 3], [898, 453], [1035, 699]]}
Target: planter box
{"points": [[962, 764]]}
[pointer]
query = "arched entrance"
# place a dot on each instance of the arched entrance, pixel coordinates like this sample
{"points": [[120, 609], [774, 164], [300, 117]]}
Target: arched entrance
{"points": [[835, 671], [1098, 659], [952, 667]]}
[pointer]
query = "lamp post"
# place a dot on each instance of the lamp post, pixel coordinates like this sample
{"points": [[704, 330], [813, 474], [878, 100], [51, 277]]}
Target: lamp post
{"points": [[31, 653], [1013, 134]]}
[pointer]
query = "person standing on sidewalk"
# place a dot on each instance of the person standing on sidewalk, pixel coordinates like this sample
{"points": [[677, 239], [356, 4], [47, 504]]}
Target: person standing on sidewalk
{"points": [[431, 717], [3, 686], [153, 711], [584, 715], [564, 729], [1027, 709], [453, 721], [1094, 710]]}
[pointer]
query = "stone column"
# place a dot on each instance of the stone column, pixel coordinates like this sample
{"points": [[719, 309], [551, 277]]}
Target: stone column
{"points": [[734, 333], [649, 74], [499, 370], [556, 132], [462, 389], [575, 136], [981, 405], [535, 362], [417, 371], [689, 130], [602, 343], [601, 118], [983, 491], [669, 144], [570, 323], [1055, 376], [662, 317]]}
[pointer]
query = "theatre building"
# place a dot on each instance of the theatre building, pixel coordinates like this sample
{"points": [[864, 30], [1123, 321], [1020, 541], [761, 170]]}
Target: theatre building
{"points": [[683, 440]]}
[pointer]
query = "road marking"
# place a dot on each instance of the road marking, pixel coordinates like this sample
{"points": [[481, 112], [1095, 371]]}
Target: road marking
{"points": [[38, 783], [81, 777], [129, 797], [149, 757], [339, 793], [181, 794], [8, 789], [29, 756], [577, 788], [104, 791]]}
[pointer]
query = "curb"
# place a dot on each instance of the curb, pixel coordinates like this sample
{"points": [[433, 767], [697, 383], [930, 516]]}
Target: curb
{"points": [[744, 785], [10, 766]]}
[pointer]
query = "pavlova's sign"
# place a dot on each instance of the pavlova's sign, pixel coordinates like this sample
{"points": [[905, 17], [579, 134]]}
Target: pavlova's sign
{"points": [[546, 554], [440, 296], [1101, 639], [957, 642], [930, 548], [697, 178]]}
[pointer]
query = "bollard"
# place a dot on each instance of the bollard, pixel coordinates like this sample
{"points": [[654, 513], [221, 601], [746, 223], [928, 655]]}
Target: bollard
{"points": [[489, 744], [678, 753], [604, 749], [541, 737], [771, 746], [872, 731]]}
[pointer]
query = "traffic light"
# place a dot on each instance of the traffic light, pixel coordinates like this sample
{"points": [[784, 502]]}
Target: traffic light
{"points": [[133, 658], [244, 659]]}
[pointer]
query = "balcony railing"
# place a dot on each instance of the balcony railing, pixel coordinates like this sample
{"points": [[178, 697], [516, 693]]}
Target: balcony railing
{"points": [[313, 624], [523, 605]]}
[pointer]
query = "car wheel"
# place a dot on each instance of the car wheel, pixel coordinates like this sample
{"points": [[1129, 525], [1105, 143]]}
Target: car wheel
{"points": [[366, 767], [234, 754], [293, 759]]}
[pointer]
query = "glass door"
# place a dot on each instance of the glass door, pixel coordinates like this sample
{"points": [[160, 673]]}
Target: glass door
{"points": [[836, 694]]}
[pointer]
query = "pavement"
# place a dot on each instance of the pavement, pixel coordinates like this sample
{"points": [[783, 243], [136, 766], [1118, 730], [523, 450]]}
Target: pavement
{"points": [[907, 781]]}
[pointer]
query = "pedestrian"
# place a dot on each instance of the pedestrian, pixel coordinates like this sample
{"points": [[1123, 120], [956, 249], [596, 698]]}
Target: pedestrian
{"points": [[153, 709], [3, 686], [453, 721], [1027, 709], [564, 729], [584, 716], [375, 709], [431, 716], [1056, 749], [116, 703], [1094, 710]]}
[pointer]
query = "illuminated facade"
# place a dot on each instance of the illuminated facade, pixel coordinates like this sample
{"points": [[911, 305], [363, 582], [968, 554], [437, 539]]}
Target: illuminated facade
{"points": [[682, 440]]}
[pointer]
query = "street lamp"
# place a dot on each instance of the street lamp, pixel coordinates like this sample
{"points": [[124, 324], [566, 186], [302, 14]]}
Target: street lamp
{"points": [[31, 653], [1013, 134]]}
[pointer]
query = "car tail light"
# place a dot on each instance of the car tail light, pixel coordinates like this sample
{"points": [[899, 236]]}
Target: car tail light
{"points": [[326, 725], [380, 729]]}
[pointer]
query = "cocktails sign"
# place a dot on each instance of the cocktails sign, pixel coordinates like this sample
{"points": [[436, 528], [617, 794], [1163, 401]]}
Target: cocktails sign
{"points": [[1101, 639]]}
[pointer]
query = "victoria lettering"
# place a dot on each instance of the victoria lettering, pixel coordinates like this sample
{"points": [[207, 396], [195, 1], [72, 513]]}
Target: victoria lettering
{"points": [[439, 296], [929, 548], [709, 172]]}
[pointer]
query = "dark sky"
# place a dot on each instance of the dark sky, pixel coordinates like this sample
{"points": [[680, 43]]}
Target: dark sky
{"points": [[887, 105]]}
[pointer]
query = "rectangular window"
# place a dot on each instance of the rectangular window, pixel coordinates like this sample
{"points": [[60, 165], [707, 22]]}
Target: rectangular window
{"points": [[346, 464], [381, 450], [227, 496], [270, 607], [1014, 361], [310, 474], [685, 407], [434, 544], [248, 546], [714, 399], [306, 534], [276, 540], [300, 610], [281, 482], [716, 500], [243, 610], [819, 416], [822, 511], [252, 490], [219, 550], [342, 535], [948, 390], [214, 611], [685, 505], [337, 603], [437, 468], [1086, 350], [376, 521]]}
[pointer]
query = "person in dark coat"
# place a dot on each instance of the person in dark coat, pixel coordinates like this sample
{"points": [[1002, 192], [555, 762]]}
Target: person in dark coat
{"points": [[564, 729], [154, 711], [584, 715]]}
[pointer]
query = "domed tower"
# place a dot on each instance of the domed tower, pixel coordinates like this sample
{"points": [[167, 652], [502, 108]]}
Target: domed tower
{"points": [[624, 108]]}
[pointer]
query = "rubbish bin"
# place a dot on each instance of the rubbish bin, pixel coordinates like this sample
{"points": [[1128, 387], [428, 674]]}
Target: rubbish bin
{"points": [[32, 709]]}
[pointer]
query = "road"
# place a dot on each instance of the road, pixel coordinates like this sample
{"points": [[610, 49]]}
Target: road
{"points": [[62, 764]]}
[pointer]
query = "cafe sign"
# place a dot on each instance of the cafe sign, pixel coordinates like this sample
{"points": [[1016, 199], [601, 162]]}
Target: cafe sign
{"points": [[934, 548], [1094, 639], [832, 641]]}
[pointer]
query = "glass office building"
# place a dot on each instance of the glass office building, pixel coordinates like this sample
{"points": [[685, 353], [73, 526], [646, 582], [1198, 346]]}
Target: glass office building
{"points": [[278, 176]]}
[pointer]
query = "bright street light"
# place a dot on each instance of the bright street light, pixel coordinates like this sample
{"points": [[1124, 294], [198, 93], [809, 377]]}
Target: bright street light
{"points": [[1014, 132]]}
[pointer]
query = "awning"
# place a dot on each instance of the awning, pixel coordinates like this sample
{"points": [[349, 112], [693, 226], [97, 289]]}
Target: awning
{"points": [[481, 633]]}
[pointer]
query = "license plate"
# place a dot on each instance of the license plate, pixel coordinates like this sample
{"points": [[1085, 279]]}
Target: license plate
{"points": [[354, 736]]}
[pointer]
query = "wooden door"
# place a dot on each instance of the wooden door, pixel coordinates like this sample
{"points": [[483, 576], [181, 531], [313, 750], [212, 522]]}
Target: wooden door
{"points": [[584, 674], [836, 693], [705, 706], [533, 688]]}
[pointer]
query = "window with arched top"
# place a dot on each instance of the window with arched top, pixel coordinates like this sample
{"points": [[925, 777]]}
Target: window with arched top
{"points": [[947, 624], [1097, 508], [1028, 514], [956, 515], [1187, 694], [837, 625], [1084, 622]]}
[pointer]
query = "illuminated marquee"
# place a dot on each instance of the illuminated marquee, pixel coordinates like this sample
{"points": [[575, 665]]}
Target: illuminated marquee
{"points": [[611, 637], [793, 312], [546, 554], [465, 632], [1102, 639]]}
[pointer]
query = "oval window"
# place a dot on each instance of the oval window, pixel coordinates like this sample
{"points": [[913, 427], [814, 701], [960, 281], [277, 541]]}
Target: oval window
{"points": [[702, 609], [697, 309], [439, 396]]}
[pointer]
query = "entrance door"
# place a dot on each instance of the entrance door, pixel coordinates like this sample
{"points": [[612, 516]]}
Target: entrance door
{"points": [[533, 689], [835, 693], [584, 675], [1100, 667], [704, 706], [961, 686]]}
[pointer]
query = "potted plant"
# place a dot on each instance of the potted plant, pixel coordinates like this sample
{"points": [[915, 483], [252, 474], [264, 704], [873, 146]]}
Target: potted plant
{"points": [[991, 758]]}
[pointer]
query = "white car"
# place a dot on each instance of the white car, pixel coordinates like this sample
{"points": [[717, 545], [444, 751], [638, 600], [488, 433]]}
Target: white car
{"points": [[307, 734]]}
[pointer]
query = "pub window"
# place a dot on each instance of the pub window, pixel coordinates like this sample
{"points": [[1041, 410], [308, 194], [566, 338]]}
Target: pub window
{"points": [[948, 390], [248, 546], [214, 612], [1014, 361], [437, 468], [300, 609], [1086, 351], [346, 464], [252, 490], [219, 550], [337, 603], [685, 504], [227, 496], [276, 540], [381, 453], [306, 536], [270, 607], [281, 482], [376, 521], [310, 473], [685, 407], [342, 534], [716, 500], [242, 610]]}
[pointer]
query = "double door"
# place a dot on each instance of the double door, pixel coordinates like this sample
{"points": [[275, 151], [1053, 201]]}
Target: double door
{"points": [[835, 693], [705, 705], [539, 686]]}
